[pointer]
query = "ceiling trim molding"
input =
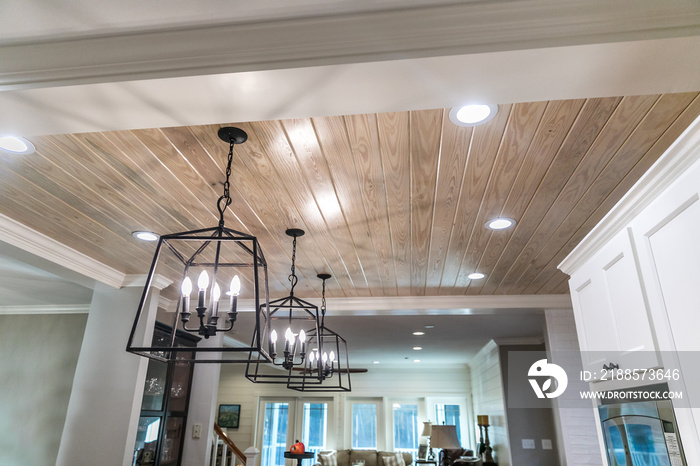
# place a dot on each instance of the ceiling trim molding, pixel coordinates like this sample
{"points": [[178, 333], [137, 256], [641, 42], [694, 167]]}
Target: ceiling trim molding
{"points": [[460, 28], [439, 304], [46, 309], [27, 239], [684, 152], [139, 280], [519, 341], [436, 305]]}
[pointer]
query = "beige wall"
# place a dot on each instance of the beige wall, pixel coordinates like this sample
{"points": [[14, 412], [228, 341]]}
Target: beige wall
{"points": [[38, 357]]}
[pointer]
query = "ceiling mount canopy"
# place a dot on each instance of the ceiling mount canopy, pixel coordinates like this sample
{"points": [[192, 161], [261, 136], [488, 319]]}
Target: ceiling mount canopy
{"points": [[293, 320], [218, 261]]}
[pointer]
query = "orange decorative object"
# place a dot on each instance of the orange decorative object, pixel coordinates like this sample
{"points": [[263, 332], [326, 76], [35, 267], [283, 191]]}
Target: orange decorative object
{"points": [[297, 448]]}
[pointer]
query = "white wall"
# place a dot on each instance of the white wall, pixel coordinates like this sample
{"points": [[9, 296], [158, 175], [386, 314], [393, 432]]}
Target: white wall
{"points": [[489, 399], [388, 384], [578, 435], [39, 357]]}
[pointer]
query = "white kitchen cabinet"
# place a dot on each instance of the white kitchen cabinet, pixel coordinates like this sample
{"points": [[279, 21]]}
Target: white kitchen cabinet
{"points": [[667, 236], [645, 256], [611, 313]]}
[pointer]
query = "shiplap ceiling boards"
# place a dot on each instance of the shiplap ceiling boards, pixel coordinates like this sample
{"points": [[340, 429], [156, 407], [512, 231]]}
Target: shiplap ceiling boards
{"points": [[394, 204]]}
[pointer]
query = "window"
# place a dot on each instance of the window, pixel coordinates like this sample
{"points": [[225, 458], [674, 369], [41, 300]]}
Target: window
{"points": [[406, 428], [448, 414], [286, 420], [315, 426], [364, 426], [275, 433]]}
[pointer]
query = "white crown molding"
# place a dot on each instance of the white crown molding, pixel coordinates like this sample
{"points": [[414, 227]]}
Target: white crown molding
{"points": [[441, 305], [519, 341], [139, 280], [459, 28], [683, 153], [46, 309], [437, 305], [27, 239]]}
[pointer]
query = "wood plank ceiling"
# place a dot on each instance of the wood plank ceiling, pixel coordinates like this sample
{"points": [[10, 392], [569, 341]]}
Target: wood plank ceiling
{"points": [[393, 204]]}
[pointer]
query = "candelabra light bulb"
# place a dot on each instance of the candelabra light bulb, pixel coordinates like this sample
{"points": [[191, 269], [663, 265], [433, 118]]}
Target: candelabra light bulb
{"points": [[302, 336], [235, 287], [203, 281], [273, 336], [331, 356], [186, 287], [289, 335], [324, 358], [216, 293]]}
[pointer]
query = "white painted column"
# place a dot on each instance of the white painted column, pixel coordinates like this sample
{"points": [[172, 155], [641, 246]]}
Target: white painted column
{"points": [[577, 437], [105, 401]]}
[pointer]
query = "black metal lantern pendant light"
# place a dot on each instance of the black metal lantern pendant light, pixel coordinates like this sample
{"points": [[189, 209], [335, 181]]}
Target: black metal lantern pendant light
{"points": [[293, 320], [328, 365], [212, 259]]}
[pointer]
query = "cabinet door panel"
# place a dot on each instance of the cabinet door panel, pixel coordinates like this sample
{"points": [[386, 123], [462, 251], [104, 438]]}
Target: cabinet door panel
{"points": [[629, 306], [611, 310], [592, 315]]}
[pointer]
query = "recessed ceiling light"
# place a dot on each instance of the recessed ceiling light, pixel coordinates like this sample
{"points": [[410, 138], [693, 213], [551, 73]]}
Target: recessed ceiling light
{"points": [[476, 276], [418, 333], [16, 145], [500, 223], [417, 348], [416, 360], [375, 362], [145, 235], [429, 326], [473, 115]]}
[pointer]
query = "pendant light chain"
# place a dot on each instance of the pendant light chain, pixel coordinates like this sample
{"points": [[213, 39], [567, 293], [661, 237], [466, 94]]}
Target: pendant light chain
{"points": [[225, 200], [293, 277], [323, 304]]}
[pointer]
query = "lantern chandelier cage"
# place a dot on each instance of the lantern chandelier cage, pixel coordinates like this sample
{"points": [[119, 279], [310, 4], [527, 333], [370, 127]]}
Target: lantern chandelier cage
{"points": [[215, 259], [327, 368], [294, 320]]}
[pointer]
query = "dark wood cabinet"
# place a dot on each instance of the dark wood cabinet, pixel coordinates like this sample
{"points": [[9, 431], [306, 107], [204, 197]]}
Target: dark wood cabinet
{"points": [[166, 395]]}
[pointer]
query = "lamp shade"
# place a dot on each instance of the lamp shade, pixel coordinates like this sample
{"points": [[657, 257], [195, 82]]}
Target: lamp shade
{"points": [[444, 437], [427, 428]]}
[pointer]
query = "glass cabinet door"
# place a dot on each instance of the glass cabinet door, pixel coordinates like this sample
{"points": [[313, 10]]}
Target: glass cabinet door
{"points": [[164, 406], [635, 441]]}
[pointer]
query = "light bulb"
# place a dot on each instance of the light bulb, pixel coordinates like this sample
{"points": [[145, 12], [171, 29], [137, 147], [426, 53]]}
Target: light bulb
{"points": [[273, 336], [186, 287], [216, 292], [289, 335], [331, 356], [324, 358], [302, 336], [312, 357], [235, 287], [203, 281]]}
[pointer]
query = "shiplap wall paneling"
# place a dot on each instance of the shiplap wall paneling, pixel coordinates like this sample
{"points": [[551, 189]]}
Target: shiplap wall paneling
{"points": [[489, 399]]}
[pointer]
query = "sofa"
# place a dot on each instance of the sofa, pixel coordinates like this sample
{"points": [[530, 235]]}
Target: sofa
{"points": [[454, 457], [370, 457]]}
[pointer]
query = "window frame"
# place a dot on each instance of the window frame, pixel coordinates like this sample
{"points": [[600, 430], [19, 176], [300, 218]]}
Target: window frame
{"points": [[466, 418], [419, 403], [381, 420], [295, 418]]}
